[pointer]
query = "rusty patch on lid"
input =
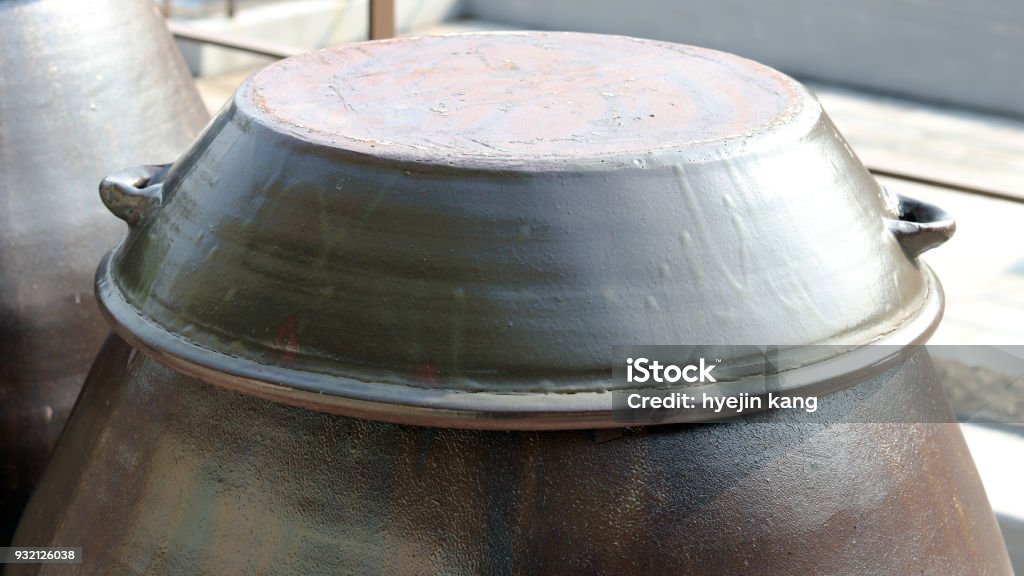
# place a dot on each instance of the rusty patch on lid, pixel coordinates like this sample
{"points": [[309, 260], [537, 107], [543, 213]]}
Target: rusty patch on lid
{"points": [[521, 95]]}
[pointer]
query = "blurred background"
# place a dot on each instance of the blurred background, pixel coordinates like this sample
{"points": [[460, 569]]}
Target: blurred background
{"points": [[930, 94]]}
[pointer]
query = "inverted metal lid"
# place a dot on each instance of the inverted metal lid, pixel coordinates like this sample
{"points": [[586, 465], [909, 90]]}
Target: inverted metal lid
{"points": [[459, 230], [495, 100]]}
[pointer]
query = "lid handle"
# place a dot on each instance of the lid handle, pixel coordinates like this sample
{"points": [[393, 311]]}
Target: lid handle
{"points": [[921, 226], [133, 194]]}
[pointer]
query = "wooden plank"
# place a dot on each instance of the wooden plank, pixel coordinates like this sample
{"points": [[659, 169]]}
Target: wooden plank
{"points": [[954, 149], [382, 19], [186, 32]]}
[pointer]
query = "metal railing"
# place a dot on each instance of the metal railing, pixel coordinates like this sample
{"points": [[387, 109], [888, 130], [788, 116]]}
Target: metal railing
{"points": [[381, 25], [230, 8]]}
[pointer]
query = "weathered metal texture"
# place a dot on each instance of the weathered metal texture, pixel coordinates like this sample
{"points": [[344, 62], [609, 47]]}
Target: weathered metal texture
{"points": [[366, 230], [192, 479], [85, 88]]}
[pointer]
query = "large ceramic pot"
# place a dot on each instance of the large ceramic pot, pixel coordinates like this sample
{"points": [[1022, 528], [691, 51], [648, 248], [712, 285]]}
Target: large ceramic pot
{"points": [[368, 324], [85, 88]]}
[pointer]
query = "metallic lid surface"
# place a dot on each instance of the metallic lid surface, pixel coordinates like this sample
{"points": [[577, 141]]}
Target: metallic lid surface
{"points": [[458, 230]]}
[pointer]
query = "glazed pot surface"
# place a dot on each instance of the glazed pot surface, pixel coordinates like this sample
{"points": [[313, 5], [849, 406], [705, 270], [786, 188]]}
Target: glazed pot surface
{"points": [[194, 479]]}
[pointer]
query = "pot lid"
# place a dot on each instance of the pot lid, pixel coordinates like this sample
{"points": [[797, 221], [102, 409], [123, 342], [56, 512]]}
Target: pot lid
{"points": [[460, 230]]}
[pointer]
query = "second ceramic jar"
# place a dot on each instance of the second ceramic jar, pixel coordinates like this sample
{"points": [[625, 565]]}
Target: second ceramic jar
{"points": [[85, 88]]}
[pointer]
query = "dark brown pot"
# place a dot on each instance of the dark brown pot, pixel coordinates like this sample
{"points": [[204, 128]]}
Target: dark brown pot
{"points": [[164, 474]]}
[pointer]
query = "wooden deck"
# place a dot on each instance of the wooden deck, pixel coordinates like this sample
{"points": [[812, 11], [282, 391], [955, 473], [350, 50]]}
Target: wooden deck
{"points": [[955, 149]]}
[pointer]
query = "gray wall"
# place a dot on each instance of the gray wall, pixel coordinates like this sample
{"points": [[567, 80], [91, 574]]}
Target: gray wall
{"points": [[961, 52]]}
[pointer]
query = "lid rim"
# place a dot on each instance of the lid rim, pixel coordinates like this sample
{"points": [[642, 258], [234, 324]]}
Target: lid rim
{"points": [[488, 410]]}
